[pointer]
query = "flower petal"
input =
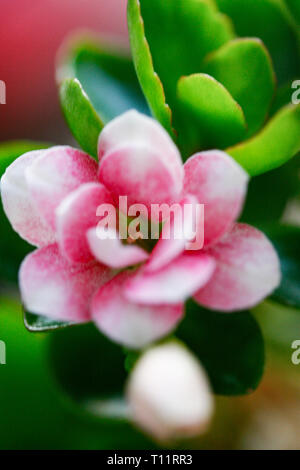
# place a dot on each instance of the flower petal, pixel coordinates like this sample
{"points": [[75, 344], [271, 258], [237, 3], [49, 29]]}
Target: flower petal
{"points": [[75, 215], [138, 159], [169, 393], [107, 248], [175, 235], [131, 324], [247, 271], [18, 205], [220, 184], [57, 172], [134, 128], [172, 284], [53, 287]]}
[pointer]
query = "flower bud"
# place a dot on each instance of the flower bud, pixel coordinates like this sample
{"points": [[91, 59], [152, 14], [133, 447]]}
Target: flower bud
{"points": [[169, 394]]}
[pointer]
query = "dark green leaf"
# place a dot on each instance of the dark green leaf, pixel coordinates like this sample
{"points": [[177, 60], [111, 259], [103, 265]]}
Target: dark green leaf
{"points": [[269, 21], [210, 112], [294, 7], [80, 115], [40, 324], [229, 345], [268, 194], [286, 240], [35, 414], [273, 146], [245, 68], [89, 368]]}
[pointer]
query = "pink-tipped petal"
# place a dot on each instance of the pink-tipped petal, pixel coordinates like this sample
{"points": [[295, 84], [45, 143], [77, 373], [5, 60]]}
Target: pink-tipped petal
{"points": [[175, 235], [131, 324], [134, 128], [55, 288], [247, 271], [169, 393], [172, 284], [106, 247], [18, 205], [138, 172], [56, 173], [220, 184], [75, 215]]}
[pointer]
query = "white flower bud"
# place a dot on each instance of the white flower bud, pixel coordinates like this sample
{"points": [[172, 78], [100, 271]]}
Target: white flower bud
{"points": [[169, 394]]}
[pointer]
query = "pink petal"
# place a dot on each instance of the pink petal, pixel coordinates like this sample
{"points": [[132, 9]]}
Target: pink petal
{"points": [[220, 184], [18, 205], [134, 128], [247, 271], [56, 173], [138, 159], [107, 248], [169, 246], [131, 324], [169, 393], [172, 284], [53, 287], [75, 215]]}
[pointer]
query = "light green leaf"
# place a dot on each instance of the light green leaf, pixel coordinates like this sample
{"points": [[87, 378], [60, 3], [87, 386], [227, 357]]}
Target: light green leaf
{"points": [[245, 68], [230, 347], [80, 115], [40, 324], [108, 83], [273, 146], [210, 112], [149, 80], [269, 21], [176, 35]]}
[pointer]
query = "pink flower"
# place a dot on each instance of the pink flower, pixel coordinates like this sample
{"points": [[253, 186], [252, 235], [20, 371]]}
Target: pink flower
{"points": [[51, 199]]}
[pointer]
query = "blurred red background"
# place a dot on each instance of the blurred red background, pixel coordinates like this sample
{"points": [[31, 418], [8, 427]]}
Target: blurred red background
{"points": [[30, 35]]}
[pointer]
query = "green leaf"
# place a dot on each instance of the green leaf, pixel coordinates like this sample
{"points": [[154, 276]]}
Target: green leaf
{"points": [[283, 97], [89, 368], [229, 345], [80, 115], [294, 6], [12, 248], [41, 324], [263, 204], [245, 68], [35, 414], [106, 75], [273, 146], [210, 112], [286, 240], [269, 21], [169, 39], [149, 80]]}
